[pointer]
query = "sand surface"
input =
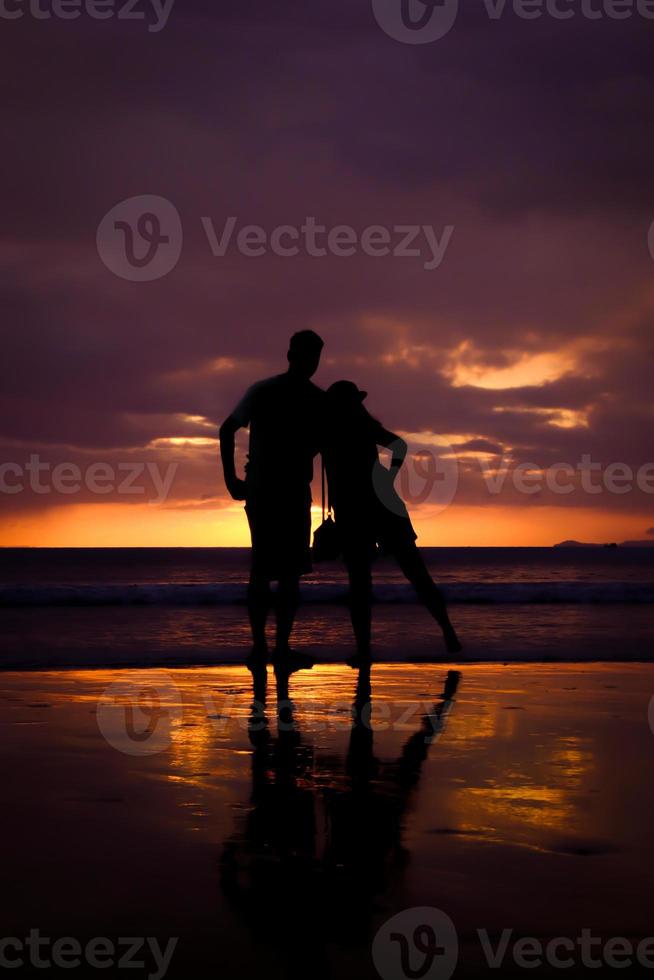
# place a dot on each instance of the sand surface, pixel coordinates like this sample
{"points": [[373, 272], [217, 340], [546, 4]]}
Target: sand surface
{"points": [[171, 804], [118, 636]]}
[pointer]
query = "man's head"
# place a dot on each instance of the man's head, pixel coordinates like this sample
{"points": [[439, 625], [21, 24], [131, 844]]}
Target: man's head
{"points": [[304, 353]]}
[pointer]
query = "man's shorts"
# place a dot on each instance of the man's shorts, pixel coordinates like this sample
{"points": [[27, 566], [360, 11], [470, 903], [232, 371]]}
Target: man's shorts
{"points": [[280, 528]]}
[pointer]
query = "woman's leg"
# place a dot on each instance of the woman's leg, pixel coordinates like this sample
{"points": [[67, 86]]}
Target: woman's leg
{"points": [[413, 566], [360, 600]]}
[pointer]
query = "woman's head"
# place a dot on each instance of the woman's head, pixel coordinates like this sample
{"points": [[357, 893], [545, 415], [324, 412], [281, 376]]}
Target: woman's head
{"points": [[345, 406], [344, 395]]}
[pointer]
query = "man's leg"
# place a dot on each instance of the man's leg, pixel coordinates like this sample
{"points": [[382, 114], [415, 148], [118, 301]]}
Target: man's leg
{"points": [[285, 659], [293, 558], [288, 597], [258, 605]]}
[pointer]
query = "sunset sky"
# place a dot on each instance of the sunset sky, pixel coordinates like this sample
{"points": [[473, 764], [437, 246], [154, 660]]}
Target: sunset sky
{"points": [[531, 341]]}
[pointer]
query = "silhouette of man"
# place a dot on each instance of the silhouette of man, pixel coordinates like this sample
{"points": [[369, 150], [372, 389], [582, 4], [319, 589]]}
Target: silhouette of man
{"points": [[284, 414]]}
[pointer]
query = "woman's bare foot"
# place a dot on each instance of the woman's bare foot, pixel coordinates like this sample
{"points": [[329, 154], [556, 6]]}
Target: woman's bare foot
{"points": [[452, 641]]}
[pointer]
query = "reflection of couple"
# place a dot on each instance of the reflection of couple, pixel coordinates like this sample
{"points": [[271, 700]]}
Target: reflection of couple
{"points": [[319, 849], [290, 421]]}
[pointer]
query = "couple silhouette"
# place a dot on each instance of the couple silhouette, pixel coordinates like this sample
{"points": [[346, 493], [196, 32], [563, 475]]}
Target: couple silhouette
{"points": [[318, 852], [291, 420]]}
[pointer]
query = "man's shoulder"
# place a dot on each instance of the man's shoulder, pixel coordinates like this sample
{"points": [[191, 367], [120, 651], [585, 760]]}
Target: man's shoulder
{"points": [[286, 381], [267, 383], [318, 393], [263, 387], [282, 390], [313, 398]]}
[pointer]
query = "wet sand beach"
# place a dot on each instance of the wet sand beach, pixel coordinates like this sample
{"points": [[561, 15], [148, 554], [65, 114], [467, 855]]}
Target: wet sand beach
{"points": [[279, 840], [147, 636]]}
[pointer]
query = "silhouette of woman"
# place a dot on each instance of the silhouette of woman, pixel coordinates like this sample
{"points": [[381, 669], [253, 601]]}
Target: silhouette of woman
{"points": [[369, 512]]}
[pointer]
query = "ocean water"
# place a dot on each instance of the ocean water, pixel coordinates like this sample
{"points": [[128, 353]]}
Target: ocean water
{"points": [[217, 576], [154, 606]]}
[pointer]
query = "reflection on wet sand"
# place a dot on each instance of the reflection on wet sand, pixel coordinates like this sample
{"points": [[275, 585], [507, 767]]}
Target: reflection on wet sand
{"points": [[549, 806], [510, 772], [509, 783], [533, 797], [322, 840], [532, 811]]}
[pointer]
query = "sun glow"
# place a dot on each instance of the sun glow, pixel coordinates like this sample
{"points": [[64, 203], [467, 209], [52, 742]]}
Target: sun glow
{"points": [[144, 525]]}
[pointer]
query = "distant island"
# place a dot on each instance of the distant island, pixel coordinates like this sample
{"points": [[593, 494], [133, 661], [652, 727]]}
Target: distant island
{"points": [[647, 543]]}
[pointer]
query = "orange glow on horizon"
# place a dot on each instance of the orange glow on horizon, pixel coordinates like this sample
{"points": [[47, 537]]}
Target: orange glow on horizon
{"points": [[141, 525]]}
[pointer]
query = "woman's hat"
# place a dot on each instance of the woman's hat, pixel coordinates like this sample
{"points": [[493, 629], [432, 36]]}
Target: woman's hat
{"points": [[346, 391]]}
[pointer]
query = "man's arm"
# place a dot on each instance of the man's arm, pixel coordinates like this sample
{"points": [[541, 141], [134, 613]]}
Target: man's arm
{"points": [[234, 484]]}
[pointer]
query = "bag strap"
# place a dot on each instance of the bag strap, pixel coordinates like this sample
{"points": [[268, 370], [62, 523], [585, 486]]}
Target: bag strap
{"points": [[325, 496]]}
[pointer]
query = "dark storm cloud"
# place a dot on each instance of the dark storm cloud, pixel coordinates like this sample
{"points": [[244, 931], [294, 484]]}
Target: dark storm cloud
{"points": [[532, 138]]}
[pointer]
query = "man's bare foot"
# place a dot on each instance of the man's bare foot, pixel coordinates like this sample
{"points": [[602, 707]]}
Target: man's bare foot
{"points": [[257, 657], [290, 661]]}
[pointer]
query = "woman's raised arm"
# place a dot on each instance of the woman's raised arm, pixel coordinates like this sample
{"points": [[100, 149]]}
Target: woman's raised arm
{"points": [[395, 443]]}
